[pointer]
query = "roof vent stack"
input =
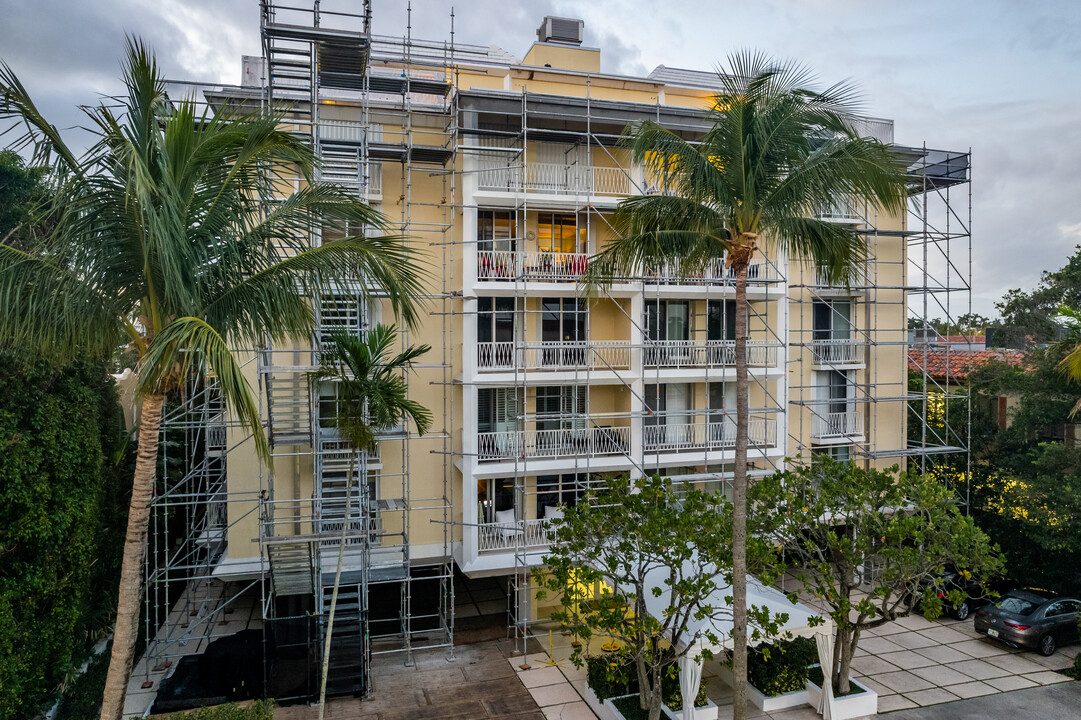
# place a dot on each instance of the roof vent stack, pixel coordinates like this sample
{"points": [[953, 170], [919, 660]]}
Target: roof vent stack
{"points": [[564, 31]]}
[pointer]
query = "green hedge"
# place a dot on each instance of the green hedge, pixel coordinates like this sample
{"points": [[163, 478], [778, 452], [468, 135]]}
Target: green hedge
{"points": [[62, 514], [613, 674], [257, 710], [780, 667]]}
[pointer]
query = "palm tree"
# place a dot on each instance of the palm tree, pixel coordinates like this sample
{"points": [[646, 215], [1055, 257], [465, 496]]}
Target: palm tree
{"points": [[372, 397], [778, 147], [160, 243]]}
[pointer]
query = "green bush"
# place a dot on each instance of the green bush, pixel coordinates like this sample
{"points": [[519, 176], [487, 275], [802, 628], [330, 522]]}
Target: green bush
{"points": [[62, 517], [781, 667], [1075, 671], [256, 710], [82, 701], [613, 674]]}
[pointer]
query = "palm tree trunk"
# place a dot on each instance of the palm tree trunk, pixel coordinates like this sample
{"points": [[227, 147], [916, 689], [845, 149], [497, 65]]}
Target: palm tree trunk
{"points": [[131, 569], [739, 500], [337, 580]]}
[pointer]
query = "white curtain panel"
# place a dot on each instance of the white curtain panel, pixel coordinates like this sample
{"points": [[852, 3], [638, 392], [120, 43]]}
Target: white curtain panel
{"points": [[690, 677], [825, 659]]}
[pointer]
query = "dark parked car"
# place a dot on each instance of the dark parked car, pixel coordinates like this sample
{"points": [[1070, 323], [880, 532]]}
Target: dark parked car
{"points": [[1034, 619], [979, 593]]}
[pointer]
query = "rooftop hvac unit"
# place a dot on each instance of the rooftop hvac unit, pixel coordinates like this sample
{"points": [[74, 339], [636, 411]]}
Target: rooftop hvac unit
{"points": [[567, 31]]}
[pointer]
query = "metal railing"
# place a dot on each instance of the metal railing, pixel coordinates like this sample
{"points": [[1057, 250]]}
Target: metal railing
{"points": [[530, 265], [679, 437], [837, 425], [830, 353], [556, 179], [711, 353], [552, 356], [714, 271], [495, 537], [564, 442]]}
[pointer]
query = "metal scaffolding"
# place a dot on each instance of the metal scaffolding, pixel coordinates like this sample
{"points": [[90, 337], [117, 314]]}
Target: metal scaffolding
{"points": [[507, 193]]}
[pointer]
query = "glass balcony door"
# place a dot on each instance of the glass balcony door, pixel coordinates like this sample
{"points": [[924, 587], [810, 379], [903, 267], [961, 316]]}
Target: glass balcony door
{"points": [[563, 332]]}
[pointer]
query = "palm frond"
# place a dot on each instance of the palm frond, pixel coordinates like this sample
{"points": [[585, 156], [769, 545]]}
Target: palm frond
{"points": [[52, 310], [188, 345]]}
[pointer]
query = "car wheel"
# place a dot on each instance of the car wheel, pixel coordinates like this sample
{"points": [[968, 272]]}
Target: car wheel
{"points": [[1047, 645], [962, 611]]}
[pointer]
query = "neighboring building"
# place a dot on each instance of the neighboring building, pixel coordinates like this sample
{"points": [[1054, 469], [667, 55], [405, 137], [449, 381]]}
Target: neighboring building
{"points": [[505, 172]]}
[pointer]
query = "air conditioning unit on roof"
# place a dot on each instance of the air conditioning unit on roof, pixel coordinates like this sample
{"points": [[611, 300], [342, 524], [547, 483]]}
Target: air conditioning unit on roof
{"points": [[566, 31]]}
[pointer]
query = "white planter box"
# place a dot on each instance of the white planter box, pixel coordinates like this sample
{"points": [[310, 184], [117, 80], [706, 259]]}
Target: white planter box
{"points": [[848, 707], [706, 712], [608, 711], [796, 698]]}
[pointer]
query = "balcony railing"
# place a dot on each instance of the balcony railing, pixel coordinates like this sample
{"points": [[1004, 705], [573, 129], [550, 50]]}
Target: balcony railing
{"points": [[556, 179], [715, 271], [834, 425], [831, 353], [553, 356], [511, 265], [712, 353], [681, 437], [521, 534], [567, 442]]}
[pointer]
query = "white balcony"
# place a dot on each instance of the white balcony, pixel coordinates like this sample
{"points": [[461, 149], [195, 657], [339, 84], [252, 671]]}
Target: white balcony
{"points": [[712, 353], [519, 535], [714, 272], [836, 354], [566, 442], [701, 436], [838, 426], [530, 265], [555, 179], [553, 356]]}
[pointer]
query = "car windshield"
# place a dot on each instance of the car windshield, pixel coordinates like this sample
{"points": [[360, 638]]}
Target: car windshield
{"points": [[1017, 605]]}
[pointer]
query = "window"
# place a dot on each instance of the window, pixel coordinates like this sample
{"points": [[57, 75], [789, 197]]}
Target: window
{"points": [[668, 320], [495, 319], [497, 410], [563, 321], [838, 391], [496, 230], [561, 407], [495, 495], [722, 412], [840, 453], [553, 490], [721, 320], [832, 320], [1013, 604], [560, 233]]}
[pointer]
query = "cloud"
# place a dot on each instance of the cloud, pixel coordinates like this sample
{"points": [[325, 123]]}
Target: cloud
{"points": [[994, 75]]}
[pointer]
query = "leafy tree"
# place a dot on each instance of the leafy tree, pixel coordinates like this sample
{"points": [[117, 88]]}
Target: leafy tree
{"points": [[778, 148], [372, 397], [61, 495], [1032, 313], [636, 537], [22, 189], [161, 243], [842, 527]]}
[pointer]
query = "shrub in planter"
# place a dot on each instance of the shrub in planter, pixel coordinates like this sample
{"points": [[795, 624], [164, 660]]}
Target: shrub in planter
{"points": [[672, 696], [611, 675], [781, 667]]}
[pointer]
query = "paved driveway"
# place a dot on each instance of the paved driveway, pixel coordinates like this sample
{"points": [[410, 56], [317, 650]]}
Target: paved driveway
{"points": [[914, 662], [1058, 702]]}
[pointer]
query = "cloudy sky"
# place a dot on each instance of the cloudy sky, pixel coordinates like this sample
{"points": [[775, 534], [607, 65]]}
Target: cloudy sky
{"points": [[1000, 76]]}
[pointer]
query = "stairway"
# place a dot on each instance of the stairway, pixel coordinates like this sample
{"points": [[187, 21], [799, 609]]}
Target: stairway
{"points": [[288, 408], [347, 673], [291, 568]]}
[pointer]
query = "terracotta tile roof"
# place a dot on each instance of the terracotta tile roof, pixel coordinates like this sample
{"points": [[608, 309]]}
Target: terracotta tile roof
{"points": [[956, 363]]}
